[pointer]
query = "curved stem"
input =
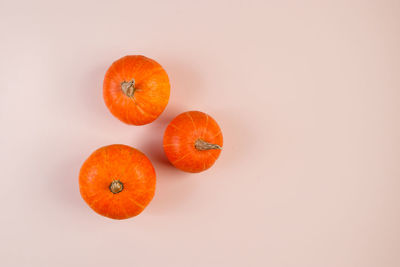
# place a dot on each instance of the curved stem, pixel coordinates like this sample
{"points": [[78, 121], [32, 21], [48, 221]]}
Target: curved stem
{"points": [[116, 186], [128, 87], [201, 145]]}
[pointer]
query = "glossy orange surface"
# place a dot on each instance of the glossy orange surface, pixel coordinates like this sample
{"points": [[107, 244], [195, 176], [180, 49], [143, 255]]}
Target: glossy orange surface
{"points": [[151, 89], [120, 163], [180, 138]]}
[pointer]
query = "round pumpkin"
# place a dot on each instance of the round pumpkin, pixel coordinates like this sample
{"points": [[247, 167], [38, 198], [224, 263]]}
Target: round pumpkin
{"points": [[117, 181], [136, 89], [193, 141]]}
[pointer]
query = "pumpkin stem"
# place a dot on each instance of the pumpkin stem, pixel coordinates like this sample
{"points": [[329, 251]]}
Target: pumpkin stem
{"points": [[116, 186], [128, 87], [203, 145]]}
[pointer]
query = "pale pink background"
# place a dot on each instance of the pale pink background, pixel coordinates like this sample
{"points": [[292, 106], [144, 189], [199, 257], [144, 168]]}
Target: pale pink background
{"points": [[307, 94]]}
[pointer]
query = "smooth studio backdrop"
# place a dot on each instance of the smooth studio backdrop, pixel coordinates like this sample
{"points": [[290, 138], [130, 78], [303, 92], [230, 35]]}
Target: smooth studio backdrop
{"points": [[307, 94]]}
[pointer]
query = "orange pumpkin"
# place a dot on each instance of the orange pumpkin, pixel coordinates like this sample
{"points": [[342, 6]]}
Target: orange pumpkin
{"points": [[193, 141], [117, 181], [136, 89]]}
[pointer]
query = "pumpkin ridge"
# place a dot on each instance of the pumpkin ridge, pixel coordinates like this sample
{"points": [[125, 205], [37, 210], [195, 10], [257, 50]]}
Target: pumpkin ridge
{"points": [[159, 69], [176, 161], [136, 203], [142, 110], [176, 127], [194, 125], [206, 125]]}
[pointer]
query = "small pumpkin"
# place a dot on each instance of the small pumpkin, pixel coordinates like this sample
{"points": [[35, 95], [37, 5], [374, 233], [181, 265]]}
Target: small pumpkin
{"points": [[117, 181], [193, 141], [136, 89]]}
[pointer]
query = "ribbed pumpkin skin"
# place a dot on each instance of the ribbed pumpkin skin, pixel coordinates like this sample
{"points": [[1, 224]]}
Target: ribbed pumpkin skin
{"points": [[180, 138], [125, 164], [151, 95]]}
